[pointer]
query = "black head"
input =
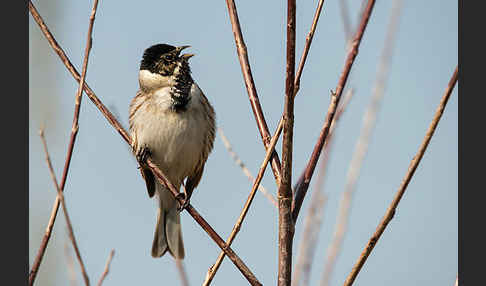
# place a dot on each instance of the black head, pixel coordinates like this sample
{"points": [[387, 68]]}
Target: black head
{"points": [[162, 58]]}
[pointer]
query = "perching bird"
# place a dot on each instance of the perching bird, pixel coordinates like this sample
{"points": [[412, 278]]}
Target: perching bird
{"points": [[173, 123]]}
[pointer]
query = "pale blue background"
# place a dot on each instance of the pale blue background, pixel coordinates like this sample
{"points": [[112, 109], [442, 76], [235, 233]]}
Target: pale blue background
{"points": [[106, 196]]}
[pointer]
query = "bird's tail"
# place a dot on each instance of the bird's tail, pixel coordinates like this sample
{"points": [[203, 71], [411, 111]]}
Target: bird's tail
{"points": [[168, 234]]}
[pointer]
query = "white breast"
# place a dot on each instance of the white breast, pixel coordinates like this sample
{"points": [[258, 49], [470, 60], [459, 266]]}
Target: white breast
{"points": [[176, 139]]}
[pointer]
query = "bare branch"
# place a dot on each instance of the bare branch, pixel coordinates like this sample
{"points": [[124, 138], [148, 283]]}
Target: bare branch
{"points": [[60, 195], [361, 148], [312, 222], [250, 86], [390, 212], [74, 132], [285, 222], [160, 176], [107, 267], [245, 170], [70, 265], [236, 228], [343, 8], [308, 42], [182, 272], [303, 184]]}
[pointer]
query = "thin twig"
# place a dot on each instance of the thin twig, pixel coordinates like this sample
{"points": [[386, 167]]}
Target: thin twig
{"points": [[312, 222], [182, 272], [343, 8], [243, 167], [157, 172], [60, 195], [390, 212], [285, 222], [361, 148], [236, 228], [107, 267], [308, 42], [250, 86], [70, 265], [74, 132], [303, 184]]}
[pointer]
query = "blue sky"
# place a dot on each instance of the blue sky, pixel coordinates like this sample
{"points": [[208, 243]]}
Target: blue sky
{"points": [[106, 196]]}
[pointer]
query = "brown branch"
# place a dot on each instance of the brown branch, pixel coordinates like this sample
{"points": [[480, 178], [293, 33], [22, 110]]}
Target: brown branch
{"points": [[107, 267], [308, 42], [303, 184], [243, 167], [250, 86], [361, 148], [160, 176], [343, 8], [390, 212], [182, 272], [312, 222], [236, 228], [60, 195], [285, 223], [74, 132], [70, 265]]}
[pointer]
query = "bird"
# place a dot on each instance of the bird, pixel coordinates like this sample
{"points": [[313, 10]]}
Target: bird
{"points": [[172, 123]]}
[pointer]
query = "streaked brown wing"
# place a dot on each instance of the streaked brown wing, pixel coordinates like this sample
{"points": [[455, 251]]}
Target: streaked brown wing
{"points": [[149, 178]]}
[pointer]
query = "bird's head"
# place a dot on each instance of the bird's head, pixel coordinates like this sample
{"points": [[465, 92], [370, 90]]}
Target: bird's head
{"points": [[161, 64]]}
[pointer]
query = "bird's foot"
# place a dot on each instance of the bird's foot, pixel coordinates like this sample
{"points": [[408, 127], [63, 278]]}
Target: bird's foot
{"points": [[185, 201], [142, 155]]}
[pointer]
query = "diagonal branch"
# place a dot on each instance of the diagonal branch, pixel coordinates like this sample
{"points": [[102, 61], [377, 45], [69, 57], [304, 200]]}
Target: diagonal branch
{"points": [[312, 222], [60, 195], [160, 176], [236, 228], [361, 148], [250, 86], [390, 212], [303, 183], [245, 170], [107, 267], [74, 132]]}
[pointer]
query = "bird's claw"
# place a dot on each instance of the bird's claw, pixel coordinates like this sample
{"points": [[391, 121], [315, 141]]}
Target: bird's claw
{"points": [[143, 154], [185, 201]]}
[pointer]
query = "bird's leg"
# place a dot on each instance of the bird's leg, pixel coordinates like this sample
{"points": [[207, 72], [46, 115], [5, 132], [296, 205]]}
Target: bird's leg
{"points": [[186, 197], [143, 153]]}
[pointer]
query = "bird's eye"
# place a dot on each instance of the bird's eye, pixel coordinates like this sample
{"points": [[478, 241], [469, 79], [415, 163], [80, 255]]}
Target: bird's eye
{"points": [[168, 57]]}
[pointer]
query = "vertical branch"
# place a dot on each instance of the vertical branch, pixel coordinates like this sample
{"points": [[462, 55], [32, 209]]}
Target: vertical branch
{"points": [[107, 267], [303, 184], [182, 272], [390, 212], [60, 195], [285, 223], [74, 132], [361, 148]]}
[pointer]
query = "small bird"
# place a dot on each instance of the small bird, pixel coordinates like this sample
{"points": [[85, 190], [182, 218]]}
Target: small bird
{"points": [[173, 124]]}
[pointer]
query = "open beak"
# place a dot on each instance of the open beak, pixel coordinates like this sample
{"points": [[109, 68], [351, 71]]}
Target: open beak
{"points": [[187, 56]]}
